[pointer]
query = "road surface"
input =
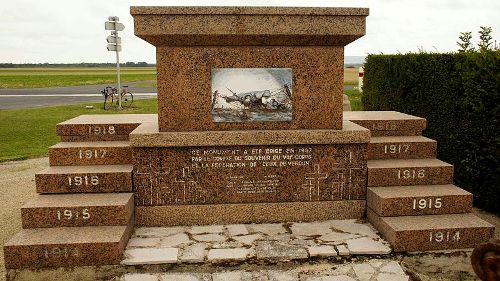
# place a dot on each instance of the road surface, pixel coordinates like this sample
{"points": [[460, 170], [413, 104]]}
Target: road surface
{"points": [[40, 97]]}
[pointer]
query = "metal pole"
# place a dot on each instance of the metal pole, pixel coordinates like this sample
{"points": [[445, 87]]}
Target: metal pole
{"points": [[118, 73]]}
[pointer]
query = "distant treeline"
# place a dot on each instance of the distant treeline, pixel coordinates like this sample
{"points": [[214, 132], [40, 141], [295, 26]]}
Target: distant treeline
{"points": [[83, 64]]}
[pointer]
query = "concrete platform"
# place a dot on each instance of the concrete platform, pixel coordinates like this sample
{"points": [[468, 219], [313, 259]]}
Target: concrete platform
{"points": [[386, 121]]}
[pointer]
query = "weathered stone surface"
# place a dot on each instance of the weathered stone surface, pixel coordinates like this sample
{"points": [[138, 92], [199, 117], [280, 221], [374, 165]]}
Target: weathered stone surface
{"points": [[268, 228], [90, 153], [343, 251], [179, 61], [80, 179], [237, 229], [392, 277], [386, 120], [330, 278], [150, 256], [248, 213], [78, 210], [367, 246], [363, 271], [210, 237], [194, 253], [392, 201], [401, 147], [274, 250], [338, 237], [396, 172], [321, 251], [432, 232], [206, 229], [308, 229], [247, 239], [66, 246], [228, 255], [175, 240], [184, 277], [143, 242], [353, 227], [140, 277], [158, 231], [102, 127]]}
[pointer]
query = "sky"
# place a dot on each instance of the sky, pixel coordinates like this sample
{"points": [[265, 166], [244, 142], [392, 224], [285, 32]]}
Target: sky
{"points": [[72, 31]]}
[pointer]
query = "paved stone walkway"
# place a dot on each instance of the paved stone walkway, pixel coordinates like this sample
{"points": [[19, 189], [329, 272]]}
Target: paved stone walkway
{"points": [[371, 270], [265, 242]]}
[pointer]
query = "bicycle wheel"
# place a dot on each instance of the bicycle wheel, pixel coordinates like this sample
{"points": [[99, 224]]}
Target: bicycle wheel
{"points": [[108, 102], [127, 99]]}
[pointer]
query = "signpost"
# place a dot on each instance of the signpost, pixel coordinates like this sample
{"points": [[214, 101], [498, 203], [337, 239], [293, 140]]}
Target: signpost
{"points": [[114, 45]]}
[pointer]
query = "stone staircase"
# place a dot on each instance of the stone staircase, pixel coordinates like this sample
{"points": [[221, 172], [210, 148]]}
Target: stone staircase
{"points": [[411, 198], [84, 213]]}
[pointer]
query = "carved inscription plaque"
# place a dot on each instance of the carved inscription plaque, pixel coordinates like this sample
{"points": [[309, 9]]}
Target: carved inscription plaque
{"points": [[249, 174]]}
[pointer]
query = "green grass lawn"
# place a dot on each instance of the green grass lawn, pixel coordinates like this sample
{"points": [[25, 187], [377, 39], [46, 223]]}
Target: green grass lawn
{"points": [[26, 133], [355, 99], [61, 77]]}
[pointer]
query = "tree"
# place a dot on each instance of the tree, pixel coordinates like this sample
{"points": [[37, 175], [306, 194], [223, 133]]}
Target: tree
{"points": [[485, 38], [464, 43]]}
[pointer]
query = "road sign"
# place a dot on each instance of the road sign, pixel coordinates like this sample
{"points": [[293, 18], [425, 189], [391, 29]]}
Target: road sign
{"points": [[109, 25], [114, 39], [114, 48]]}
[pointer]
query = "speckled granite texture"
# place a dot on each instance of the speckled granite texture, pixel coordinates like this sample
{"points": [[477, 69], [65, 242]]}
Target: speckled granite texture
{"points": [[249, 174], [230, 26], [192, 41], [85, 179], [90, 153], [387, 123], [67, 246], [409, 172], [433, 232], [76, 210], [249, 213], [401, 147], [185, 94], [148, 135], [390, 201]]}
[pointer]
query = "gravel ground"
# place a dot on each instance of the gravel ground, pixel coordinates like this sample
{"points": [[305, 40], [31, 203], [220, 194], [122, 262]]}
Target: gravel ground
{"points": [[17, 181]]}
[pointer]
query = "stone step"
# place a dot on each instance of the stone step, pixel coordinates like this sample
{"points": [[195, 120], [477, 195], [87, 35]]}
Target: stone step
{"points": [[432, 232], [67, 246], [401, 147], [391, 201], [395, 172], [387, 123], [89, 209], [101, 127], [90, 153], [85, 179]]}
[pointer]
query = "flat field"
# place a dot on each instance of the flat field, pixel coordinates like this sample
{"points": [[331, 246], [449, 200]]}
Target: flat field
{"points": [[351, 76], [26, 133], [61, 77]]}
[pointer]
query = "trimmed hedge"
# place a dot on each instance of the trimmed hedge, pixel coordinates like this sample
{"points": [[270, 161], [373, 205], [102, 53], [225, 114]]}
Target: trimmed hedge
{"points": [[458, 94]]}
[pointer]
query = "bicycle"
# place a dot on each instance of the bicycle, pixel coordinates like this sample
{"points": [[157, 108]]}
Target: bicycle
{"points": [[111, 94]]}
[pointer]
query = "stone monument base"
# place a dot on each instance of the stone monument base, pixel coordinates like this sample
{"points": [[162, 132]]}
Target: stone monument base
{"points": [[186, 178]]}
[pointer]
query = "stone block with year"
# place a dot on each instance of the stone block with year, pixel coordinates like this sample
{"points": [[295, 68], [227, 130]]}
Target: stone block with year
{"points": [[85, 179], [78, 210], [409, 172], [90, 153]]}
